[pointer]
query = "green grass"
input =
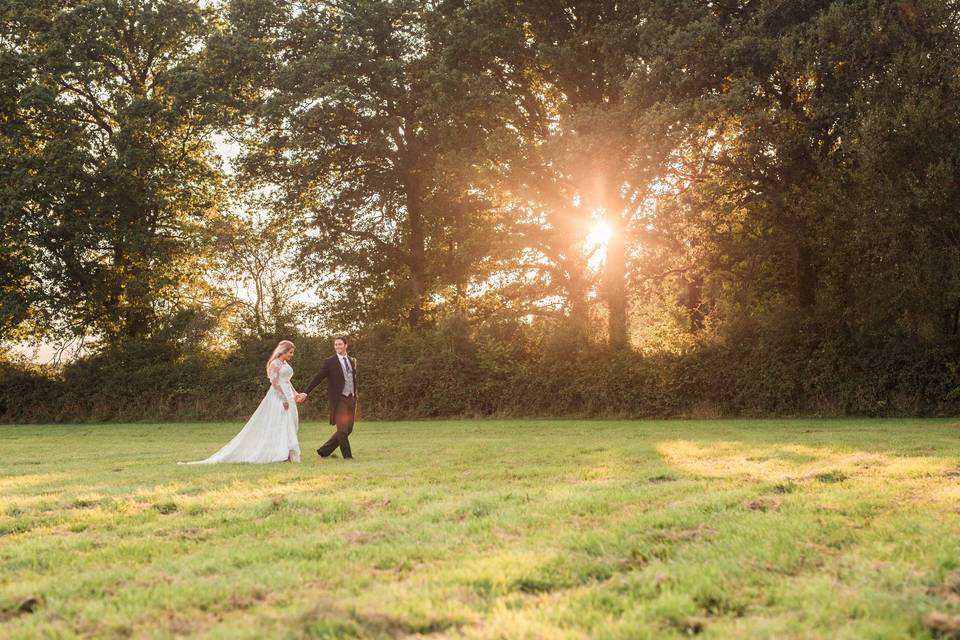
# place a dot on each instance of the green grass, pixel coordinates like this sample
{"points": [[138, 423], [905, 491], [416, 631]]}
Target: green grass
{"points": [[475, 529]]}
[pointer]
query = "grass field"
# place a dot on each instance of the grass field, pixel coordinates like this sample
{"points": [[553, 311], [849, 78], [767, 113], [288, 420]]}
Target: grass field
{"points": [[477, 529]]}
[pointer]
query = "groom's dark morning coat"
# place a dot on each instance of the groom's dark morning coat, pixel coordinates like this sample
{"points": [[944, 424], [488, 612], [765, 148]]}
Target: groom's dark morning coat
{"points": [[333, 372]]}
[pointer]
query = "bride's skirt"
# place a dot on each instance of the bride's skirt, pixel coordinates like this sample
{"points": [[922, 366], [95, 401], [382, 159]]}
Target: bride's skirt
{"points": [[270, 435]]}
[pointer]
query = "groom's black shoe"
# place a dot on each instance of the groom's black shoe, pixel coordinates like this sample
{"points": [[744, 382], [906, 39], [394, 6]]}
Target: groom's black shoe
{"points": [[321, 454]]}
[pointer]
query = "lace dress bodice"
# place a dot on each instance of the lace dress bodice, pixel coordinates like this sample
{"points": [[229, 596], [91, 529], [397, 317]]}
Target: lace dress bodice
{"points": [[280, 374]]}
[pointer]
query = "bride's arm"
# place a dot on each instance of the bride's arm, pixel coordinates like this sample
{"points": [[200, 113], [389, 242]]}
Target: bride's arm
{"points": [[296, 394], [275, 382]]}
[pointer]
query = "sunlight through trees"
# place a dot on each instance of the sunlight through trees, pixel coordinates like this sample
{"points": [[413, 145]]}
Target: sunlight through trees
{"points": [[648, 177]]}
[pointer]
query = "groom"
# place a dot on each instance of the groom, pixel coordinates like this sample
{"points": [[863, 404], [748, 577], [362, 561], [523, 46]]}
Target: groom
{"points": [[340, 371]]}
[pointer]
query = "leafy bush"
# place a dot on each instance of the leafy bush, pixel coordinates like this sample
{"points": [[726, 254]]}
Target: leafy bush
{"points": [[506, 369]]}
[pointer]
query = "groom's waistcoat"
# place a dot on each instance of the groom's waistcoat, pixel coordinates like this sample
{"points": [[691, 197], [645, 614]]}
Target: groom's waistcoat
{"points": [[332, 371], [348, 389]]}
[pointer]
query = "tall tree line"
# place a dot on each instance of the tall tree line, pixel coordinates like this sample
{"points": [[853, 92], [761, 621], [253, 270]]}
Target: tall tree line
{"points": [[762, 163]]}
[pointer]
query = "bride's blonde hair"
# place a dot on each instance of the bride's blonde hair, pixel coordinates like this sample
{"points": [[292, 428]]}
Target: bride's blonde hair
{"points": [[282, 347]]}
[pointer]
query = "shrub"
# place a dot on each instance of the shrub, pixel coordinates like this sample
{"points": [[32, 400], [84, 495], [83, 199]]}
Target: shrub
{"points": [[506, 369]]}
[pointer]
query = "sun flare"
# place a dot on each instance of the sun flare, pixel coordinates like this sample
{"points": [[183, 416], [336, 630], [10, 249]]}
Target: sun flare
{"points": [[599, 235], [596, 244]]}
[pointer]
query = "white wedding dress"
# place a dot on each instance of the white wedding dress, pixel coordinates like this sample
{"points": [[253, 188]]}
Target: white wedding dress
{"points": [[270, 434]]}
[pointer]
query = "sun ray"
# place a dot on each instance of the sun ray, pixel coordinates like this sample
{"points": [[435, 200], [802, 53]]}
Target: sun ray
{"points": [[596, 244]]}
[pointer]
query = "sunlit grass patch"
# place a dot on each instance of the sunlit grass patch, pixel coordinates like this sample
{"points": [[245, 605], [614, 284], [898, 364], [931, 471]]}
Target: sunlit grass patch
{"points": [[797, 463]]}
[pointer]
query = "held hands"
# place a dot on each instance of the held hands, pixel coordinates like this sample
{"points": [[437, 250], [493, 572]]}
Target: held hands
{"points": [[300, 397]]}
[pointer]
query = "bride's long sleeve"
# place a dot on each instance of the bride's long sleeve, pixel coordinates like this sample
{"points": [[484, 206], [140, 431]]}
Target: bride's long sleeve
{"points": [[275, 380]]}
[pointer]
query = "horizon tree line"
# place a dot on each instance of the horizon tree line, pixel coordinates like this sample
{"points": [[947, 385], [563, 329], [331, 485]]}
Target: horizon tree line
{"points": [[751, 163]]}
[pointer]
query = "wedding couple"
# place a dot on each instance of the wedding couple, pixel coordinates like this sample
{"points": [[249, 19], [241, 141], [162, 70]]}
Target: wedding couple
{"points": [[270, 434]]}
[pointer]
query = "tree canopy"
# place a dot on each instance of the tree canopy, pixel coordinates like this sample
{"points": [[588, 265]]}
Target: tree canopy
{"points": [[657, 176]]}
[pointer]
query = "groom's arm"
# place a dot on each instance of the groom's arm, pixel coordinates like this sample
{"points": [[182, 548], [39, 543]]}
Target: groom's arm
{"points": [[317, 379]]}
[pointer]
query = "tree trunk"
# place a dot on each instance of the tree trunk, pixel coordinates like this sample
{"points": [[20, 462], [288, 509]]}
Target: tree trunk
{"points": [[694, 303], [615, 285], [806, 275], [128, 298], [416, 249], [577, 294]]}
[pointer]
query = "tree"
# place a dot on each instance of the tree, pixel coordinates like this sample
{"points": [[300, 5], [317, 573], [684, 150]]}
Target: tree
{"points": [[120, 176], [366, 131], [591, 159], [255, 256], [811, 138], [19, 282]]}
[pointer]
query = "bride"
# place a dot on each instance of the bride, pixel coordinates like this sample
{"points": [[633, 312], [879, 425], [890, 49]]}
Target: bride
{"points": [[270, 434]]}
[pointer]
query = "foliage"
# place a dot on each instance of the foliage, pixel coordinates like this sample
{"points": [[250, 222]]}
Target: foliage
{"points": [[365, 128], [804, 165], [506, 369], [112, 175], [252, 255], [778, 180]]}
